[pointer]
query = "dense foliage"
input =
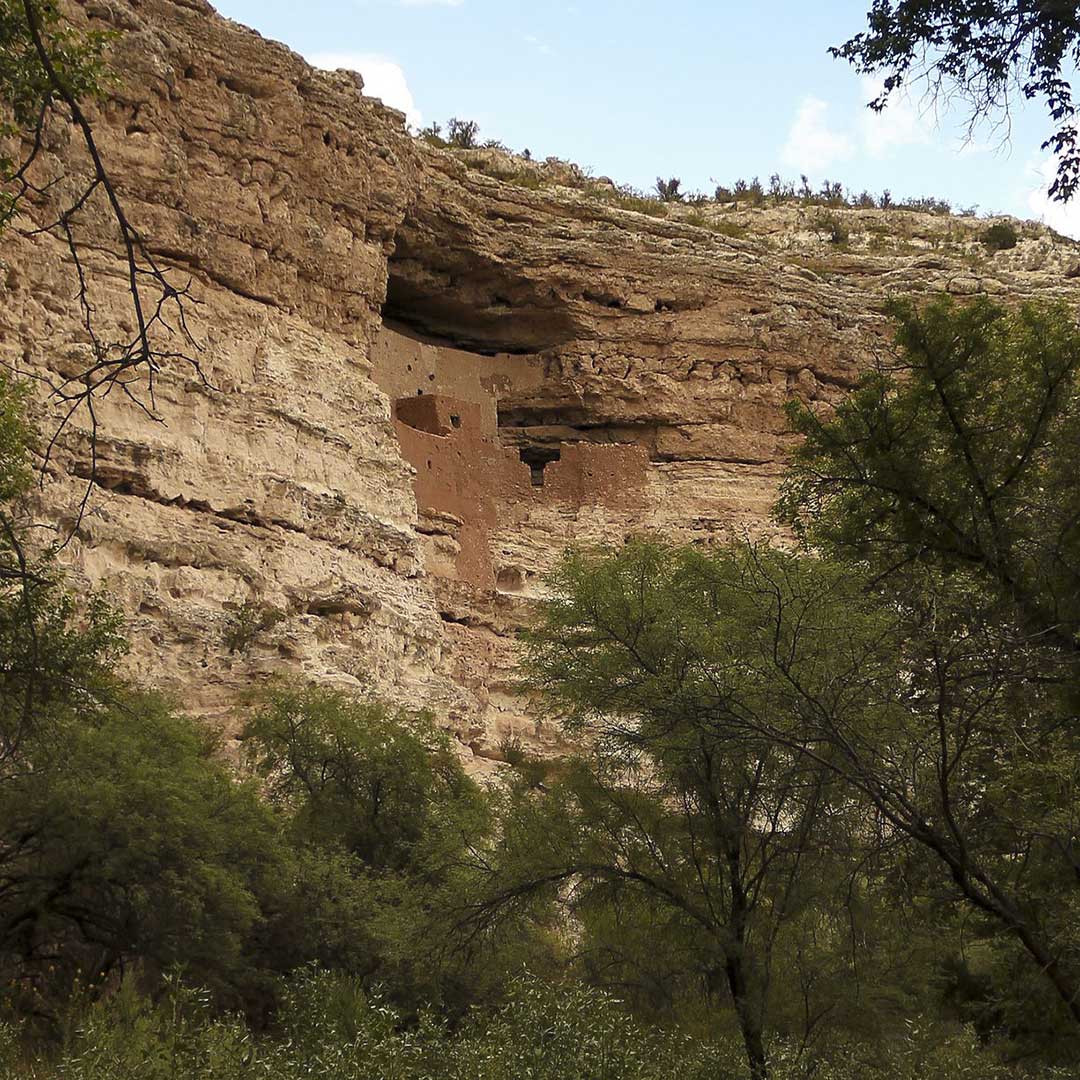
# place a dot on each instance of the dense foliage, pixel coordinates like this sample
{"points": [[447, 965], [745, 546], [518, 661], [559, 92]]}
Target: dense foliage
{"points": [[869, 738], [945, 484], [328, 1027]]}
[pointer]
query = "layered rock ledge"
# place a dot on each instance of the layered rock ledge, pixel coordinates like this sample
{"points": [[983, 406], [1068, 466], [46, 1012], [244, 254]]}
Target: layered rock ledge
{"points": [[426, 372]]}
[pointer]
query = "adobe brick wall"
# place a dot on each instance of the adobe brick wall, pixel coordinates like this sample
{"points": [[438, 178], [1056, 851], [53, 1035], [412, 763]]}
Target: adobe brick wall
{"points": [[445, 403]]}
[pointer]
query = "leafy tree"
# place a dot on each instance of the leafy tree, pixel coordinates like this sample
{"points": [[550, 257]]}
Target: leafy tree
{"points": [[433, 134], [946, 482], [958, 456], [382, 784], [981, 52], [682, 823], [123, 838], [459, 134], [379, 813]]}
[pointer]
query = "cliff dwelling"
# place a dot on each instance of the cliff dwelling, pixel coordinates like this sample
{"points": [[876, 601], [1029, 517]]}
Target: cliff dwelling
{"points": [[560, 370], [472, 465]]}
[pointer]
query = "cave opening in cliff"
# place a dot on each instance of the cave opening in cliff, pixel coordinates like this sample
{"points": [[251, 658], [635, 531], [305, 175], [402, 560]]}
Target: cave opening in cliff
{"points": [[456, 293], [538, 458]]}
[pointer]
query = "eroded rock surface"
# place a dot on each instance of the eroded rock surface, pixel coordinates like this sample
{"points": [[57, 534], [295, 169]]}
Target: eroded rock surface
{"points": [[425, 373]]}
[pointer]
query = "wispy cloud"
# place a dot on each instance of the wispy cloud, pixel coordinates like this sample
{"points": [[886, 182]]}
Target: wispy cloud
{"points": [[540, 46], [901, 123], [1065, 217], [383, 78], [811, 144], [817, 140], [430, 3]]}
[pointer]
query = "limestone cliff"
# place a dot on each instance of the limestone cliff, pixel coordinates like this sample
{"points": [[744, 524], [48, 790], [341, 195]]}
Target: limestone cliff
{"points": [[427, 372]]}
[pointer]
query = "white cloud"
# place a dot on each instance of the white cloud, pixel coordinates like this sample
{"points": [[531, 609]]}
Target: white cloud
{"points": [[540, 46], [899, 124], [383, 78], [811, 145], [1065, 217], [431, 3]]}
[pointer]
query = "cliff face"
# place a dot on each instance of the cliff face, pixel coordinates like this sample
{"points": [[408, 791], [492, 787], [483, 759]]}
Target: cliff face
{"points": [[426, 373]]}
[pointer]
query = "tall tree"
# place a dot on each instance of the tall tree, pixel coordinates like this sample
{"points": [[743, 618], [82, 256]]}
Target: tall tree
{"points": [[718, 838], [957, 454], [947, 483], [378, 811]]}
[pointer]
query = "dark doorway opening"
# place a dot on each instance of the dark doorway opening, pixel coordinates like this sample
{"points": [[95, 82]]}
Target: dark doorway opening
{"points": [[538, 458]]}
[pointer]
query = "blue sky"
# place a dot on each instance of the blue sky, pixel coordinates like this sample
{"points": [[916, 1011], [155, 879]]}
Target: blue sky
{"points": [[706, 90]]}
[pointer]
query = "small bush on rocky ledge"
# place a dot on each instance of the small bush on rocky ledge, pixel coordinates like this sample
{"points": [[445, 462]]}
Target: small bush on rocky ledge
{"points": [[831, 193], [459, 135], [1000, 236], [433, 135], [668, 190], [716, 225], [628, 198], [837, 231], [247, 622], [462, 134]]}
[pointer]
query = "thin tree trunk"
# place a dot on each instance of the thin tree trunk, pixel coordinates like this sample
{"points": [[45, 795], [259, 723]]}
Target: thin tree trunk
{"points": [[749, 1025]]}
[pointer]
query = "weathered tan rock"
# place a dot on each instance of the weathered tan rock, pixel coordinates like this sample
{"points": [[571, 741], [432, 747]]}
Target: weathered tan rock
{"points": [[422, 381]]}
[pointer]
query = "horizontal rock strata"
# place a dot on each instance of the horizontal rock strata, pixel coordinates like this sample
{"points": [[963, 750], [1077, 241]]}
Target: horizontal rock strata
{"points": [[422, 378]]}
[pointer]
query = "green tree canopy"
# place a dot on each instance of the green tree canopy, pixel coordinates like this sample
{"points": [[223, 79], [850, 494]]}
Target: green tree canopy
{"points": [[716, 845], [381, 783], [958, 456], [945, 488], [123, 836], [379, 814]]}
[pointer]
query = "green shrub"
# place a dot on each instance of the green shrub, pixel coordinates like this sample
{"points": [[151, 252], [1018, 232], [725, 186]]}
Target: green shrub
{"points": [[715, 225], [462, 134], [432, 135], [831, 193], [330, 1028], [531, 181], [247, 622], [728, 228], [668, 190], [629, 198], [1000, 236], [834, 226]]}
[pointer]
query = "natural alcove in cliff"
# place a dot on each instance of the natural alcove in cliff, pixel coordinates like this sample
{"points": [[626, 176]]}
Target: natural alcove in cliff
{"points": [[540, 430], [440, 285]]}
